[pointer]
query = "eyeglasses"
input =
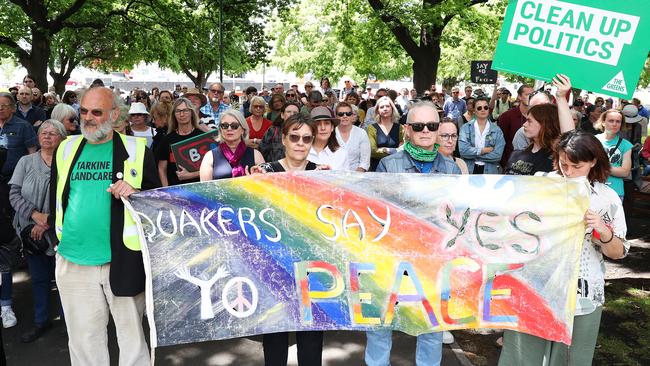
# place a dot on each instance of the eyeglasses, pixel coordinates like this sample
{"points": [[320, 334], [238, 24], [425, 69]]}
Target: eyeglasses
{"points": [[216, 91], [291, 95], [306, 139], [138, 115], [309, 86], [232, 126], [419, 126], [258, 106], [6, 106], [49, 134], [35, 95], [94, 112], [182, 111], [341, 114], [448, 136], [482, 108], [455, 92]]}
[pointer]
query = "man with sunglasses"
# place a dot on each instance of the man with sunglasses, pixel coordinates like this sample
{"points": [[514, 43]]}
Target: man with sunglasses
{"points": [[420, 155], [215, 105], [99, 269]]}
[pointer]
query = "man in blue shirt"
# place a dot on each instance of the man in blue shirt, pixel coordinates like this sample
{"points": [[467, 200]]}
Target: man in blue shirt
{"points": [[420, 155], [454, 107], [27, 111], [215, 104]]}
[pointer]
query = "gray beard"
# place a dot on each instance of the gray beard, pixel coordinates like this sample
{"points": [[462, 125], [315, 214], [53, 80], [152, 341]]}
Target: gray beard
{"points": [[100, 133]]}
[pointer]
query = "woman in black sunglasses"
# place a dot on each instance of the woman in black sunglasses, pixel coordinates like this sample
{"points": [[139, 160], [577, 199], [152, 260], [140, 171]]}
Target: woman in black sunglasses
{"points": [[231, 158], [481, 142], [352, 138], [297, 136]]}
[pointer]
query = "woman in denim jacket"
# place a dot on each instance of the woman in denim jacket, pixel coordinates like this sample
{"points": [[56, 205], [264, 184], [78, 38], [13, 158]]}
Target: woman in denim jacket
{"points": [[481, 142]]}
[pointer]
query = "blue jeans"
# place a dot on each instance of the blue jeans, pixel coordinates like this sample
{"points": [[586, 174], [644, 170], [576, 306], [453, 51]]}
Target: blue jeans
{"points": [[428, 350], [7, 289], [41, 269]]}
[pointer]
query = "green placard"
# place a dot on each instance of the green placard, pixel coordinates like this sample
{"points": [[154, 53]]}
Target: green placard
{"points": [[601, 45]]}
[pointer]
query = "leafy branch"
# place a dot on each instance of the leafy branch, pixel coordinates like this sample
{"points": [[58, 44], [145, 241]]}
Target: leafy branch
{"points": [[486, 228], [460, 228]]}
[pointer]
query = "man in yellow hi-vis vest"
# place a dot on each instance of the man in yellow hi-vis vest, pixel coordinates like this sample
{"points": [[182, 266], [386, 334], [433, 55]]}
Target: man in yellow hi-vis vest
{"points": [[99, 267]]}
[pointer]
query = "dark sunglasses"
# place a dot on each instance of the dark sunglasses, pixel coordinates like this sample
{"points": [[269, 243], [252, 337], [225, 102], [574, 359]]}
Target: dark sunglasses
{"points": [[291, 95], [419, 126], [307, 139], [482, 108], [341, 114], [232, 126]]}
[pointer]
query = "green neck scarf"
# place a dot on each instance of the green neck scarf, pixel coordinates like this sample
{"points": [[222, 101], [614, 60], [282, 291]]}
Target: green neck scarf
{"points": [[421, 154]]}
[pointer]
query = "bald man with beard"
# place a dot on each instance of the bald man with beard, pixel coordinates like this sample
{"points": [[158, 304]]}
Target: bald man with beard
{"points": [[99, 268]]}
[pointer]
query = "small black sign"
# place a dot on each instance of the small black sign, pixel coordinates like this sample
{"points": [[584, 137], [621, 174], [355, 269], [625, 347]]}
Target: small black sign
{"points": [[482, 72]]}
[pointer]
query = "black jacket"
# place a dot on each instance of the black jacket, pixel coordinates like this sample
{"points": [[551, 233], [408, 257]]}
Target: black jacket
{"points": [[126, 275]]}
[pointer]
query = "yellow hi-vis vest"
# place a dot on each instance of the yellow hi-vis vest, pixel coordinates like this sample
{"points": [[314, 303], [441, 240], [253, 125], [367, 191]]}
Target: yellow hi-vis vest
{"points": [[132, 174]]}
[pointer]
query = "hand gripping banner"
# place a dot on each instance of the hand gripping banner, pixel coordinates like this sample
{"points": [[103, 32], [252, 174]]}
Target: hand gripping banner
{"points": [[349, 251]]}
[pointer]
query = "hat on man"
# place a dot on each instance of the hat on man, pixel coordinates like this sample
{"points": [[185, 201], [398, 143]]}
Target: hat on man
{"points": [[196, 92], [631, 113], [138, 108], [323, 113]]}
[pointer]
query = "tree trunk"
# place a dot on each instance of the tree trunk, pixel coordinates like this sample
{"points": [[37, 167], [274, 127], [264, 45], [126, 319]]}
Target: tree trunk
{"points": [[39, 57], [425, 64], [59, 82], [61, 77], [199, 79]]}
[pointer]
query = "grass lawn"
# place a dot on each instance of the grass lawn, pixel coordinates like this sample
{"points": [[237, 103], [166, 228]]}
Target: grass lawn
{"points": [[624, 337]]}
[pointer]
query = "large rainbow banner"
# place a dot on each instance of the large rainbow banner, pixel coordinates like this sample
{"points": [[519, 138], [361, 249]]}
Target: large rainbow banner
{"points": [[349, 251]]}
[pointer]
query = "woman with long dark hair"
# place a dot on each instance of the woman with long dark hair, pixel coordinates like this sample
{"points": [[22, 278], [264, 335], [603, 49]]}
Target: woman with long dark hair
{"points": [[580, 154]]}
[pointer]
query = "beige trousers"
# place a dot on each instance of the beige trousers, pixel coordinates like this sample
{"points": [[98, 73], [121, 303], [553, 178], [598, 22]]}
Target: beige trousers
{"points": [[87, 300]]}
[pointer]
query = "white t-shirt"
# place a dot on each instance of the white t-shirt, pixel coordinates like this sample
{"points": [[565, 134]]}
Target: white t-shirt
{"points": [[591, 279], [479, 138], [358, 147], [337, 160], [148, 134]]}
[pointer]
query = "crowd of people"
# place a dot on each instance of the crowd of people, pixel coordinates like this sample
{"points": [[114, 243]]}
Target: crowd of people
{"points": [[78, 157]]}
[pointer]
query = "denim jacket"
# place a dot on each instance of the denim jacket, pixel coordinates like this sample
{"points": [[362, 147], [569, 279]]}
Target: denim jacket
{"points": [[470, 153], [401, 162]]}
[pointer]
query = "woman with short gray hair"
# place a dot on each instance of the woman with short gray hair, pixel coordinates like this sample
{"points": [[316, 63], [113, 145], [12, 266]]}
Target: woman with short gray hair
{"points": [[29, 196], [65, 114]]}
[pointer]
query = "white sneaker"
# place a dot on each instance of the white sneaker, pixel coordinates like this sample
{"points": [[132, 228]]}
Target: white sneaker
{"points": [[8, 317], [447, 337]]}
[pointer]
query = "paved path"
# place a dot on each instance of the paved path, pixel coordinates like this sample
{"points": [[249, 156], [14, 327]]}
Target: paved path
{"points": [[341, 348]]}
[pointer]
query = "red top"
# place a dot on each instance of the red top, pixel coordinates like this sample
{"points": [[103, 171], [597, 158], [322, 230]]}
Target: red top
{"points": [[258, 134], [510, 121]]}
